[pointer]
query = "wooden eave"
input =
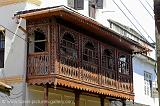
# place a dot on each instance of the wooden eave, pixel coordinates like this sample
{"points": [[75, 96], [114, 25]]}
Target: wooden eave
{"points": [[64, 83], [85, 23]]}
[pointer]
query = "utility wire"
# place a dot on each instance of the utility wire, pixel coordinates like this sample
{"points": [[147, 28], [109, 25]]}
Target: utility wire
{"points": [[146, 8], [149, 5], [137, 21], [127, 17], [19, 94]]}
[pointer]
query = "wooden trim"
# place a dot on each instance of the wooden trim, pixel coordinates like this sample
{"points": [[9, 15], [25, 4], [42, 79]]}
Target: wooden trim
{"points": [[107, 92], [12, 79], [8, 2]]}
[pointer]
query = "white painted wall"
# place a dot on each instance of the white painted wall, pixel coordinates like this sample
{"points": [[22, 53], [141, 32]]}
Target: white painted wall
{"points": [[139, 66], [15, 52]]}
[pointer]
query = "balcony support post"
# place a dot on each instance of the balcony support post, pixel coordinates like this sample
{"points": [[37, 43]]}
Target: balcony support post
{"points": [[46, 95], [77, 98], [123, 102], [102, 100]]}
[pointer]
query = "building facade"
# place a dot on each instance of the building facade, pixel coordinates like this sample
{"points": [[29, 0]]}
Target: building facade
{"points": [[144, 67], [14, 64]]}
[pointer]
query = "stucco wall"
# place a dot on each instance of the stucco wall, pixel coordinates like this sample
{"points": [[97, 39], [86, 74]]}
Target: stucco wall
{"points": [[139, 66], [15, 54]]}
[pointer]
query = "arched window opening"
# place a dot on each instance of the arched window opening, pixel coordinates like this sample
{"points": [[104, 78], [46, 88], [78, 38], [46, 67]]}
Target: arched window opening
{"points": [[123, 66], [89, 54], [107, 59], [90, 57], [68, 50], [39, 41]]}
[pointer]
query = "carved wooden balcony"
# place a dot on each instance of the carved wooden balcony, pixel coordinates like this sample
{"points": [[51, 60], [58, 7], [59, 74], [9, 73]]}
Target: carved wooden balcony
{"points": [[69, 74]]}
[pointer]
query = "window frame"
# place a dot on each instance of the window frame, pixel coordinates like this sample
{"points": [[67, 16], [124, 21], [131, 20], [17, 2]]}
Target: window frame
{"points": [[2, 48], [106, 59], [36, 41], [92, 9], [124, 66], [91, 63], [148, 87], [69, 53]]}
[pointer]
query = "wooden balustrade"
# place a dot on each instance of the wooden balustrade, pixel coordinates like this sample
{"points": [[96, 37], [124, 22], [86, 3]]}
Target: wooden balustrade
{"points": [[70, 72], [38, 64], [90, 77]]}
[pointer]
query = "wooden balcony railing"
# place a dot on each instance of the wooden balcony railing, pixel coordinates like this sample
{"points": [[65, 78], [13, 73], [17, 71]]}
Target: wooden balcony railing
{"points": [[39, 65]]}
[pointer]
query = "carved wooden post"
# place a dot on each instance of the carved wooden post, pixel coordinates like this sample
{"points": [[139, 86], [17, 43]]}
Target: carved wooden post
{"points": [[46, 95], [77, 98]]}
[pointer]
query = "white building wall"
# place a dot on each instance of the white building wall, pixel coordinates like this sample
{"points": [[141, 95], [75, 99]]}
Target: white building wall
{"points": [[139, 66], [15, 53]]}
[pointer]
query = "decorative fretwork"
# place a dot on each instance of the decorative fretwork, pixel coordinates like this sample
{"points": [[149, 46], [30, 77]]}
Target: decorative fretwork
{"points": [[38, 64], [108, 59], [68, 50], [38, 36], [90, 55], [79, 59], [124, 83]]}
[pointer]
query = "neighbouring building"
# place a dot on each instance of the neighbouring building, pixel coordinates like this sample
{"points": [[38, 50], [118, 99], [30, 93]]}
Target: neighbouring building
{"points": [[157, 33], [144, 67], [62, 52]]}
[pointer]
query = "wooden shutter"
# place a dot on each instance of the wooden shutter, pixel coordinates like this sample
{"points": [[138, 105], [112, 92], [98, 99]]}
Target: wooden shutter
{"points": [[92, 10], [99, 4], [71, 3], [79, 4]]}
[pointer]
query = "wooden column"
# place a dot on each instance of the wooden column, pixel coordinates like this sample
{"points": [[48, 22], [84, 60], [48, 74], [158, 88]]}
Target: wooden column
{"points": [[123, 102], [102, 100], [77, 98], [46, 95]]}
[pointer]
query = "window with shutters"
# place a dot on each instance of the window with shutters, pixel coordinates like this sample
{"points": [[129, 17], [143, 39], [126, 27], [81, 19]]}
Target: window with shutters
{"points": [[92, 9], [99, 4], [2, 47], [68, 50], [147, 83], [76, 4]]}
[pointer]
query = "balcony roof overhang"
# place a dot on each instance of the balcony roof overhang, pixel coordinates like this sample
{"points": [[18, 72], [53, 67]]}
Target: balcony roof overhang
{"points": [[87, 23]]}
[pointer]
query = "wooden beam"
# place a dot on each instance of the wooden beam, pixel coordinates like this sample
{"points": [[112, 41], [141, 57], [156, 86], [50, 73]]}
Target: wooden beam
{"points": [[77, 98], [46, 95], [24, 30]]}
